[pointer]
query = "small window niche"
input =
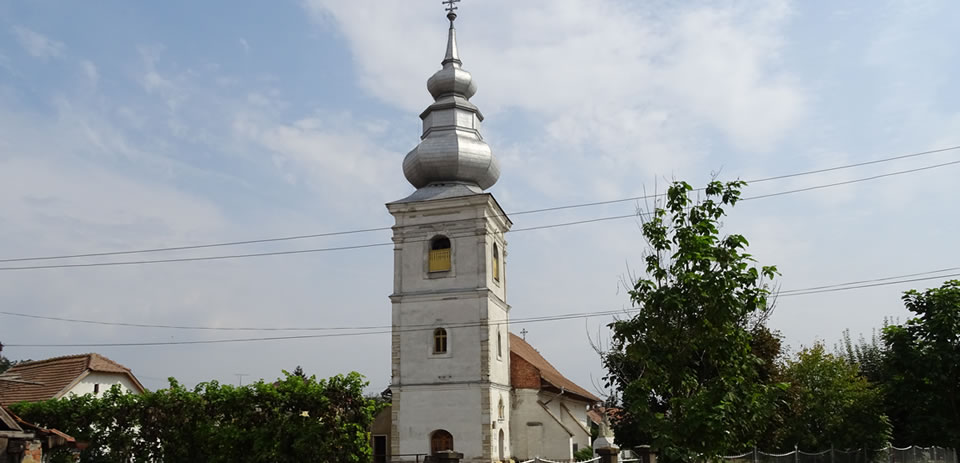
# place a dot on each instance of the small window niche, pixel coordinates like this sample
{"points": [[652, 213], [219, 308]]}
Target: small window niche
{"points": [[496, 263], [439, 258], [439, 341]]}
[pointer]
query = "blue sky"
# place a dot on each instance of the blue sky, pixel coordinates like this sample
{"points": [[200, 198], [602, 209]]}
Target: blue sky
{"points": [[134, 125]]}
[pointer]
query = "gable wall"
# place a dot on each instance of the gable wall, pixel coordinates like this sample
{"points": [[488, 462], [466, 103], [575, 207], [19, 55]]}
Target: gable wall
{"points": [[105, 380]]}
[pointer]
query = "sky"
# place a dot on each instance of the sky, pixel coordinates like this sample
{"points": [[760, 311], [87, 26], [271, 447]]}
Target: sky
{"points": [[133, 125]]}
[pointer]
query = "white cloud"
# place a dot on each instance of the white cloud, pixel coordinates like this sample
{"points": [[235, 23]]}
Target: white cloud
{"points": [[90, 70], [37, 44], [713, 64], [332, 153]]}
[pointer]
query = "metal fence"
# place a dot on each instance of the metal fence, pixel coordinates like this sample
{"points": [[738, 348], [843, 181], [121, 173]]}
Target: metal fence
{"points": [[544, 460], [911, 454]]}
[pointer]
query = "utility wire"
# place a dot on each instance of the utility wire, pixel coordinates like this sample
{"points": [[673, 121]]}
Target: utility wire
{"points": [[309, 251], [531, 211], [785, 293], [432, 327], [850, 283], [326, 328], [847, 182], [370, 245], [334, 335], [871, 285]]}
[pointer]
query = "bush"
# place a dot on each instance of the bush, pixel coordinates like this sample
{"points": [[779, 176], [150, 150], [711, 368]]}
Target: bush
{"points": [[293, 420]]}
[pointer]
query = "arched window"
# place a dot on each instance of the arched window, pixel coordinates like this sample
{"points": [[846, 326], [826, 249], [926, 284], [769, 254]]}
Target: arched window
{"points": [[496, 262], [439, 254], [440, 440], [439, 341], [500, 410], [502, 446]]}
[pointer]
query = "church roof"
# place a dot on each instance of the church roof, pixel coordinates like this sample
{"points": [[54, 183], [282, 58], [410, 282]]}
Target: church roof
{"points": [[451, 148], [50, 378], [529, 370]]}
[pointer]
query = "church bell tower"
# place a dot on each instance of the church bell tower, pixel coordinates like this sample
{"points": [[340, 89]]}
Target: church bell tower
{"points": [[450, 343]]}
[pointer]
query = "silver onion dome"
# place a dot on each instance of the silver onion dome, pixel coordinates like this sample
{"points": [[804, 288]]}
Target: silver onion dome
{"points": [[451, 149]]}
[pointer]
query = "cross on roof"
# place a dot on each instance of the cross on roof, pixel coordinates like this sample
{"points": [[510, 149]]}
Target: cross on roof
{"points": [[451, 5], [524, 333]]}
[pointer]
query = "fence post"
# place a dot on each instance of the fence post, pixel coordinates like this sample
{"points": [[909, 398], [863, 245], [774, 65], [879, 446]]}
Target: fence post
{"points": [[831, 453], [447, 456], [796, 453], [756, 456], [609, 454]]}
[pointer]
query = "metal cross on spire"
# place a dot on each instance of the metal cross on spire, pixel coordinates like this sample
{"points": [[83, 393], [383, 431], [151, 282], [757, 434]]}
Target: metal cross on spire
{"points": [[451, 9]]}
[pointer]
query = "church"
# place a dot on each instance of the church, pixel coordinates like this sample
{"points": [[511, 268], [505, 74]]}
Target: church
{"points": [[460, 380]]}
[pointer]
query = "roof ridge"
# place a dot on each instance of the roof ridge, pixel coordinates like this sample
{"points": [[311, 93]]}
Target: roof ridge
{"points": [[51, 359]]}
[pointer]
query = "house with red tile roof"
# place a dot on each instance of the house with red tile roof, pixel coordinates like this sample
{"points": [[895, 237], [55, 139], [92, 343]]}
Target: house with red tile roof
{"points": [[549, 413], [25, 442], [64, 376]]}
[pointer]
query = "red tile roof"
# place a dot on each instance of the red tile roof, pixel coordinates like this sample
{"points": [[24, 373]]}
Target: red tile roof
{"points": [[49, 379], [525, 359]]}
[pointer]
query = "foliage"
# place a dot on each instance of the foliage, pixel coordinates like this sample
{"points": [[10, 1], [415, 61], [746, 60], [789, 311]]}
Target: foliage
{"points": [[684, 367], [866, 355], [829, 404], [583, 454], [295, 419], [6, 364], [923, 368]]}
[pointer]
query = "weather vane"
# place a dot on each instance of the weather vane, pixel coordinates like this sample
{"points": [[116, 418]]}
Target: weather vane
{"points": [[451, 8]]}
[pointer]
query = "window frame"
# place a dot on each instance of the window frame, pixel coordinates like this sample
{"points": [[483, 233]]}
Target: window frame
{"points": [[495, 262], [432, 246], [441, 338]]}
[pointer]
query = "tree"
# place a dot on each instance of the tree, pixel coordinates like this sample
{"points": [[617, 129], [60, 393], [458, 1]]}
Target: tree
{"points": [[683, 366], [829, 404], [866, 355], [291, 420], [922, 368], [5, 364]]}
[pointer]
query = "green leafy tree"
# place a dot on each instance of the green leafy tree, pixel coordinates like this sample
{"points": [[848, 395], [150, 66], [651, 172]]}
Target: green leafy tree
{"points": [[922, 368], [684, 367], [829, 404], [866, 354], [5, 364], [291, 420]]}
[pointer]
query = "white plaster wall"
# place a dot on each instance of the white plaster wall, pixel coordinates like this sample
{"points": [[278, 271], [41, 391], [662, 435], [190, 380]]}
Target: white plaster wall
{"points": [[497, 424], [418, 363], [456, 391], [536, 433], [106, 381], [456, 409]]}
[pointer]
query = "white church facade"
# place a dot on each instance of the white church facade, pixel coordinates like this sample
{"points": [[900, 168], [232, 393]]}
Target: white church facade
{"points": [[460, 380]]}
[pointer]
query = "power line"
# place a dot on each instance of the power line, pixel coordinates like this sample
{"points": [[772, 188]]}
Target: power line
{"points": [[786, 293], [874, 280], [871, 285], [583, 315], [532, 211], [859, 164], [309, 251], [327, 328], [370, 245], [848, 182]]}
